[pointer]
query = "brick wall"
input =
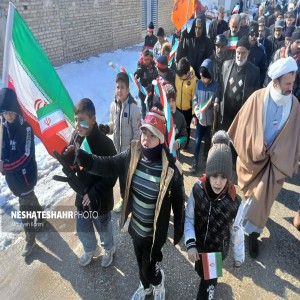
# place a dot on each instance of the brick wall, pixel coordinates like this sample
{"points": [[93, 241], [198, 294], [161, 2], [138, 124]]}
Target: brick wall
{"points": [[71, 30], [164, 16]]}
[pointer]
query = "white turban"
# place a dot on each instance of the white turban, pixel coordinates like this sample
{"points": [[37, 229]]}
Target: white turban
{"points": [[282, 66]]}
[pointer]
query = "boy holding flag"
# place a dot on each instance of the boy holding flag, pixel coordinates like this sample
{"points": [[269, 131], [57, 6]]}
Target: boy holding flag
{"points": [[98, 200], [214, 217]]}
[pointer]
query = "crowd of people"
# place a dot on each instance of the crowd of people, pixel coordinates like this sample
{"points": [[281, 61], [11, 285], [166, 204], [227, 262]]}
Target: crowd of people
{"points": [[238, 82]]}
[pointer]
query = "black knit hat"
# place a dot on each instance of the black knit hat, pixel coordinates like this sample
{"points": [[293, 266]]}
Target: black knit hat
{"points": [[219, 159], [243, 42], [183, 66], [253, 29], [160, 32], [295, 36], [151, 26], [9, 101]]}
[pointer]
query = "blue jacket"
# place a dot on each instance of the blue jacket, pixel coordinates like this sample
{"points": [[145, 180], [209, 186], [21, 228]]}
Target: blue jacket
{"points": [[203, 93]]}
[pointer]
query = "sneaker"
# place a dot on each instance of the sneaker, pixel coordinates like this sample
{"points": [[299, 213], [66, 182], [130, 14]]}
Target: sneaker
{"points": [[159, 290], [86, 257], [141, 292], [28, 248], [108, 257], [118, 206]]}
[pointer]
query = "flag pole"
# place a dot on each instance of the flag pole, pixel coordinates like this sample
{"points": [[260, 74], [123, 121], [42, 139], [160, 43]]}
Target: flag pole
{"points": [[8, 36]]}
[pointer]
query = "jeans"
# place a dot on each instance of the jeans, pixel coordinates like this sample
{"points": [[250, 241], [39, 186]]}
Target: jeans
{"points": [[201, 132], [86, 233], [29, 203]]}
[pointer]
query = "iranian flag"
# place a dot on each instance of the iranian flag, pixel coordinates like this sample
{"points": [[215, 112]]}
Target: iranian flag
{"points": [[28, 71], [85, 146], [232, 42], [205, 105], [212, 265]]}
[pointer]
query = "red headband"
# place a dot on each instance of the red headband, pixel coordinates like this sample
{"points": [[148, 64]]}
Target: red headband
{"points": [[161, 66]]}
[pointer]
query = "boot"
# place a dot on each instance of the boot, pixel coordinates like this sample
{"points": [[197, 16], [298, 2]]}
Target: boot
{"points": [[253, 244]]}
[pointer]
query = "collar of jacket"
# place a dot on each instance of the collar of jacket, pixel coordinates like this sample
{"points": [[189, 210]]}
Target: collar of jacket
{"points": [[165, 179]]}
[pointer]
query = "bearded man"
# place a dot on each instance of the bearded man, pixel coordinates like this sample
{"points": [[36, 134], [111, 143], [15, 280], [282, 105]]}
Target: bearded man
{"points": [[265, 135], [239, 80]]}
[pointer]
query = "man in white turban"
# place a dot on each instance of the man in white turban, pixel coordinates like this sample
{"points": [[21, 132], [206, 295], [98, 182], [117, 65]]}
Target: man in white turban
{"points": [[265, 134]]}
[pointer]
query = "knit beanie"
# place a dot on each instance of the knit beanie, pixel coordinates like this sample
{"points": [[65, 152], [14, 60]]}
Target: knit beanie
{"points": [[9, 101], [183, 66], [150, 27], [156, 123], [162, 63], [219, 159], [295, 36], [289, 31], [170, 92], [253, 29], [243, 42], [160, 32]]}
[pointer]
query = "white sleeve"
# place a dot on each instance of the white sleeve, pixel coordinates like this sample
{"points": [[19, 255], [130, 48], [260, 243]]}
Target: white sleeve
{"points": [[238, 237], [189, 229]]}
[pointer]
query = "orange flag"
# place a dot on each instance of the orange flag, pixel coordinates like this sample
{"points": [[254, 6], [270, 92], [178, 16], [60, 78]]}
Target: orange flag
{"points": [[182, 12]]}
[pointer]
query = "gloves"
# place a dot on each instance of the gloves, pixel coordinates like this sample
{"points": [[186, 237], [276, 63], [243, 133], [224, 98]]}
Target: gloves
{"points": [[104, 128], [83, 159]]}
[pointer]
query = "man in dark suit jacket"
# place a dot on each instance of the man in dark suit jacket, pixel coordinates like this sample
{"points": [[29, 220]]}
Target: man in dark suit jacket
{"points": [[218, 26], [239, 80]]}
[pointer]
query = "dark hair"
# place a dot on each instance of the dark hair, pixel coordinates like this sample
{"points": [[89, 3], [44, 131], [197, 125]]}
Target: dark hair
{"points": [[86, 106], [146, 52], [123, 77], [289, 15]]}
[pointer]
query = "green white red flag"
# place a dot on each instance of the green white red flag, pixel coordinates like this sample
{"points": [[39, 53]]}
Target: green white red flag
{"points": [[212, 265], [232, 42], [28, 71], [85, 146], [206, 105], [51, 120]]}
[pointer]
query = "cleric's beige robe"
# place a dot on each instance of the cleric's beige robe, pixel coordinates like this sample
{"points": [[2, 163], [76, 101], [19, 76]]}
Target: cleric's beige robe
{"points": [[261, 173]]}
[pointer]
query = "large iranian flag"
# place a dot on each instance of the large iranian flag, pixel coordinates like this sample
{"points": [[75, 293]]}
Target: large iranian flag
{"points": [[28, 71]]}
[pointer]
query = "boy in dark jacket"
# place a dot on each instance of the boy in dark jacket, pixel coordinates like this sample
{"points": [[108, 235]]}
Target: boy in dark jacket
{"points": [[146, 72], [213, 218], [154, 184], [94, 208], [18, 163]]}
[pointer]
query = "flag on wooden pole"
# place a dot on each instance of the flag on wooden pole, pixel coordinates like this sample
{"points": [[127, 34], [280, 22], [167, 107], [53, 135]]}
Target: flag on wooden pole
{"points": [[28, 71]]}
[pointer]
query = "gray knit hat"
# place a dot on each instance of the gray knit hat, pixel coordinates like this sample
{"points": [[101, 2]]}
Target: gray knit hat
{"points": [[219, 159]]}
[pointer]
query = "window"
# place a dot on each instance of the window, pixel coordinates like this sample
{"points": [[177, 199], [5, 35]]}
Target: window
{"points": [[149, 13]]}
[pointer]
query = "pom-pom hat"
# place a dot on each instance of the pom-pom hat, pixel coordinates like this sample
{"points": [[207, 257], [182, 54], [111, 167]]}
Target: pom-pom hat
{"points": [[219, 159], [156, 123]]}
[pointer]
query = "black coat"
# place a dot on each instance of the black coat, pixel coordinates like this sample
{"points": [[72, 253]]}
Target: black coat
{"points": [[18, 155], [268, 48], [99, 189], [213, 29], [276, 43], [150, 41], [258, 57]]}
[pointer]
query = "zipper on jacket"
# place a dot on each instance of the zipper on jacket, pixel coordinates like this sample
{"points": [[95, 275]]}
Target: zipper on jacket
{"points": [[208, 219]]}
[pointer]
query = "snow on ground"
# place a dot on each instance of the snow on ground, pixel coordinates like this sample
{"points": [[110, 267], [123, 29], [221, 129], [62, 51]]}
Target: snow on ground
{"points": [[91, 78]]}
